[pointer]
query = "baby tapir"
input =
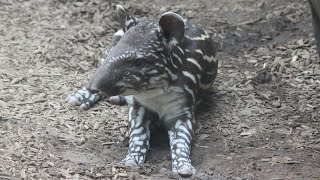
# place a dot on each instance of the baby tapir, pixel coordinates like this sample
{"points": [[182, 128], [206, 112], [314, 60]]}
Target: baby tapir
{"points": [[157, 67]]}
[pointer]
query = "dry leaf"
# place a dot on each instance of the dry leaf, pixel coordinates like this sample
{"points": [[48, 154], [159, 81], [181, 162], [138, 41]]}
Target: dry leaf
{"points": [[203, 137], [248, 133]]}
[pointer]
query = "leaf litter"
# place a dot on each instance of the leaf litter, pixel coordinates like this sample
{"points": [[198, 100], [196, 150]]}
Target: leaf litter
{"points": [[261, 116]]}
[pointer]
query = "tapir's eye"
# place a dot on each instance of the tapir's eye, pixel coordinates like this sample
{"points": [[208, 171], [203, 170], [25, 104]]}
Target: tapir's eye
{"points": [[139, 62]]}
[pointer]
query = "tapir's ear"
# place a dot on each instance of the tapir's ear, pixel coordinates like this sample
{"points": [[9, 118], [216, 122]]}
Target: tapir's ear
{"points": [[172, 27], [125, 18]]}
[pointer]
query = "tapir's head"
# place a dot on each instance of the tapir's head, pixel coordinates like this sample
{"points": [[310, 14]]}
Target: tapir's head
{"points": [[139, 57]]}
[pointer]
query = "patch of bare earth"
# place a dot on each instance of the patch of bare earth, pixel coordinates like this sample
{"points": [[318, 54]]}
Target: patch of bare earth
{"points": [[259, 121]]}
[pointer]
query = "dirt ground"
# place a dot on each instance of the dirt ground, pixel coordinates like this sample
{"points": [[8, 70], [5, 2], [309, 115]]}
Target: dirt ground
{"points": [[259, 121]]}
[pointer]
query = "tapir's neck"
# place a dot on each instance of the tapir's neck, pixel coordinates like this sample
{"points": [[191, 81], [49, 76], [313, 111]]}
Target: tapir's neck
{"points": [[162, 101]]}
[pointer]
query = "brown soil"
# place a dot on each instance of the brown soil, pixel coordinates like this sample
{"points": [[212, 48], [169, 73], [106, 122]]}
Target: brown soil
{"points": [[256, 123]]}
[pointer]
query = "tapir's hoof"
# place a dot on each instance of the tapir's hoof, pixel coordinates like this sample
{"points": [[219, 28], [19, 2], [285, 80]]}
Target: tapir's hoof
{"points": [[72, 100], [130, 163], [185, 171]]}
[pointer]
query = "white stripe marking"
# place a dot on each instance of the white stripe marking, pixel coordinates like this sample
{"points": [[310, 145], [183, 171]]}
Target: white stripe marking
{"points": [[152, 72], [143, 150], [175, 66], [155, 56], [189, 124], [140, 143], [180, 49], [201, 38], [176, 56], [136, 77], [119, 33], [189, 75], [177, 141], [137, 131], [199, 51], [178, 123], [128, 22], [184, 136], [130, 117], [135, 139], [171, 137], [180, 145], [143, 136], [173, 76], [184, 129], [140, 117], [190, 92], [178, 151], [209, 58], [193, 61]]}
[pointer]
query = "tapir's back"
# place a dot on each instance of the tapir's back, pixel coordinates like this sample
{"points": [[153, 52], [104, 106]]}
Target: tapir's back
{"points": [[197, 56]]}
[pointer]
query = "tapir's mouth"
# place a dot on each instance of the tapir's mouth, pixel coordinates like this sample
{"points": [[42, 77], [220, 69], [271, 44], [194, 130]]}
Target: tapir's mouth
{"points": [[128, 92], [107, 90], [112, 91]]}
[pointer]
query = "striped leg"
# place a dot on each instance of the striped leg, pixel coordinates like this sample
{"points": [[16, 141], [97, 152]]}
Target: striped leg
{"points": [[139, 134], [83, 98], [180, 137]]}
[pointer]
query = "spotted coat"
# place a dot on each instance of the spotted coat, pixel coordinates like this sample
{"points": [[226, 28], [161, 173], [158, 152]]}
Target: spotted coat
{"points": [[157, 67]]}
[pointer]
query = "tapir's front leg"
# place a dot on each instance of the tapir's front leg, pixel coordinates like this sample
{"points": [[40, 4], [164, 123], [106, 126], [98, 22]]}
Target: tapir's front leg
{"points": [[180, 136], [84, 98], [139, 132]]}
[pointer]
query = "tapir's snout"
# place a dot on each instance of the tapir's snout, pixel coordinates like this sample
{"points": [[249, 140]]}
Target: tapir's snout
{"points": [[104, 81]]}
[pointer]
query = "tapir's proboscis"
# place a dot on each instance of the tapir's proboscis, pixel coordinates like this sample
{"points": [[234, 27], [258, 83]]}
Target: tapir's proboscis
{"points": [[158, 67]]}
